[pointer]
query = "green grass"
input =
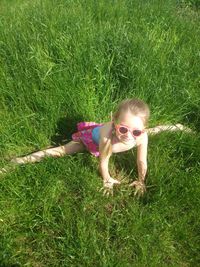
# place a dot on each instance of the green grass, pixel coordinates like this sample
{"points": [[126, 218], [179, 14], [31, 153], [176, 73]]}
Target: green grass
{"points": [[67, 61]]}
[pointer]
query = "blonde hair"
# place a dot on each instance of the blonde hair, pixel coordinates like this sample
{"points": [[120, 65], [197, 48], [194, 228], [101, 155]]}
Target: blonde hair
{"points": [[137, 107]]}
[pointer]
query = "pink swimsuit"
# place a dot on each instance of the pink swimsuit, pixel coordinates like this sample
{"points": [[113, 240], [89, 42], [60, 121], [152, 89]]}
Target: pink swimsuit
{"points": [[84, 134]]}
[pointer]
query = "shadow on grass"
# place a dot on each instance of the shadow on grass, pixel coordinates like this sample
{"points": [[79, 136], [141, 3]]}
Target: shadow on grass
{"points": [[65, 128], [125, 162]]}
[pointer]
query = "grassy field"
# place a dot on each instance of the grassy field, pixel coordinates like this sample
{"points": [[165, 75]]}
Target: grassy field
{"points": [[65, 61]]}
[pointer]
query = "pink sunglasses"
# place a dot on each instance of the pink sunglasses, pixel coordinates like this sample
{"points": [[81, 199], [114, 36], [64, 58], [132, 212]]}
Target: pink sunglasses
{"points": [[122, 129]]}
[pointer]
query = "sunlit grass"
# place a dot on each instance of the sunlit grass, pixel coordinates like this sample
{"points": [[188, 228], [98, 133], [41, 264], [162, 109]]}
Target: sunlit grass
{"points": [[67, 61]]}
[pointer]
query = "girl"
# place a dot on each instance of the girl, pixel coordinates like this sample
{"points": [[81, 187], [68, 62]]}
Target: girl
{"points": [[127, 129]]}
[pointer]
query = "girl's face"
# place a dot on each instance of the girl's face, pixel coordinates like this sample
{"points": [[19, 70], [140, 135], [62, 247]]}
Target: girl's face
{"points": [[132, 122]]}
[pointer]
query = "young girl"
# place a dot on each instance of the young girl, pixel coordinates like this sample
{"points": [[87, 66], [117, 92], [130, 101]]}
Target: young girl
{"points": [[127, 129]]}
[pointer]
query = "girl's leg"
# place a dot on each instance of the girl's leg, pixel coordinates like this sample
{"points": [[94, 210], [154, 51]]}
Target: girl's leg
{"points": [[171, 128], [70, 148]]}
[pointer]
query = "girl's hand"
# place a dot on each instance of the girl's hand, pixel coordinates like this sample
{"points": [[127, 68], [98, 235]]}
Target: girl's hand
{"points": [[108, 186], [140, 187]]}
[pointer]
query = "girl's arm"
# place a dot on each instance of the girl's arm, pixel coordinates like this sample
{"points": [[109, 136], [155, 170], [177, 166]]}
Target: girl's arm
{"points": [[103, 159], [104, 156], [142, 158], [142, 165]]}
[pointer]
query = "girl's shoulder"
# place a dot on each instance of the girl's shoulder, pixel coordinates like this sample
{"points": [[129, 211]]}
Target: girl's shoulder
{"points": [[143, 139], [106, 131]]}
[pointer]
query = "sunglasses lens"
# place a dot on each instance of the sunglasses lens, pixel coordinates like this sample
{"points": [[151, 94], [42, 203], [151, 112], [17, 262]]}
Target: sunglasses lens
{"points": [[123, 130], [137, 132]]}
